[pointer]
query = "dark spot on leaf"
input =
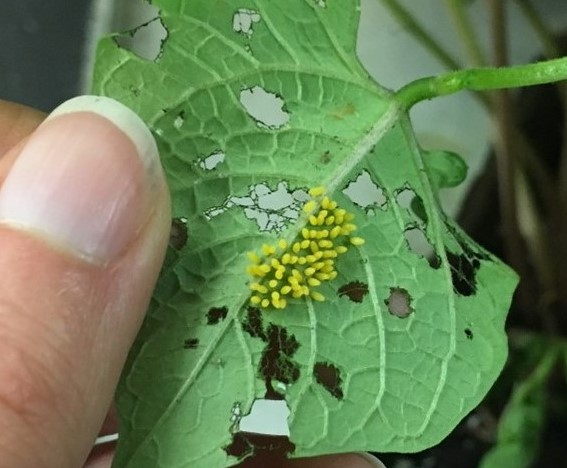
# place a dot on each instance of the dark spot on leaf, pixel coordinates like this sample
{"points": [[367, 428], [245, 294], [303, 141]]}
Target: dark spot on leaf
{"points": [[463, 273], [191, 343], [469, 333], [216, 315], [399, 302], [276, 363], [329, 376], [355, 291], [260, 449], [178, 233], [252, 323], [326, 157], [465, 266]]}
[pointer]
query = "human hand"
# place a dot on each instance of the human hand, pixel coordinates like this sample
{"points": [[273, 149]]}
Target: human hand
{"points": [[84, 223]]}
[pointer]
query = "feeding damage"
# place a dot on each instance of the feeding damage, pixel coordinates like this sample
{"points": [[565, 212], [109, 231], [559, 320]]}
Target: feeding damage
{"points": [[295, 269], [244, 20], [266, 108], [399, 302]]}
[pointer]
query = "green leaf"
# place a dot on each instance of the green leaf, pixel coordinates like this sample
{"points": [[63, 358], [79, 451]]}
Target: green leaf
{"points": [[408, 339], [445, 168], [522, 422]]}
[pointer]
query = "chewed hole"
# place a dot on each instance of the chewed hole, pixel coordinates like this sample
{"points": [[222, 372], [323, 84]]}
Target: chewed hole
{"points": [[191, 343], [399, 302], [212, 161], [266, 417], [420, 245], [329, 376], [216, 315], [271, 209], [243, 21], [266, 108], [178, 234], [364, 192], [355, 291], [146, 41]]}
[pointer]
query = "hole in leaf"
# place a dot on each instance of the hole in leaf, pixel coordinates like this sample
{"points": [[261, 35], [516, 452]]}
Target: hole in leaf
{"points": [[216, 315], [329, 376], [463, 273], [179, 120], [420, 245], [244, 20], [147, 40], [178, 234], [266, 417], [399, 302], [469, 333], [266, 450], [276, 365], [212, 161], [325, 157], [272, 210], [264, 107], [406, 198], [364, 192], [355, 291], [191, 343], [253, 324]]}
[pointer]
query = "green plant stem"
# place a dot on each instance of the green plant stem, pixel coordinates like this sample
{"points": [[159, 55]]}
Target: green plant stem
{"points": [[482, 79], [408, 21], [463, 26]]}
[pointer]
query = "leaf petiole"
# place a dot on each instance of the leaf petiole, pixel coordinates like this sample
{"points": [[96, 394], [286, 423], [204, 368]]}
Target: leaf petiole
{"points": [[482, 79]]}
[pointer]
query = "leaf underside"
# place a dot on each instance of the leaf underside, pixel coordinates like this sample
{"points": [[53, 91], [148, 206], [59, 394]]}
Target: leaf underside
{"points": [[354, 372]]}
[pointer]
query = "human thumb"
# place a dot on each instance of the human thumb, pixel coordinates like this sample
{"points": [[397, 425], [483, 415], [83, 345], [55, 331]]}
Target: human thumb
{"points": [[84, 222]]}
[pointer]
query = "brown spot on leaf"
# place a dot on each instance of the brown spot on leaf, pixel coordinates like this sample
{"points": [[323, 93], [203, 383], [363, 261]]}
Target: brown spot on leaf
{"points": [[178, 233], [326, 157], [260, 449], [216, 315], [191, 343], [344, 111], [469, 333], [329, 376], [355, 291], [399, 302], [276, 363]]}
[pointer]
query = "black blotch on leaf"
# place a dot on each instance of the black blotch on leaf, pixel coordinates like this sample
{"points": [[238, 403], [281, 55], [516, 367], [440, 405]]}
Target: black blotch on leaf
{"points": [[178, 234], [463, 273], [191, 343], [326, 157], [252, 323], [216, 315], [355, 291], [399, 302], [464, 266], [469, 333], [329, 376], [260, 449], [276, 363]]}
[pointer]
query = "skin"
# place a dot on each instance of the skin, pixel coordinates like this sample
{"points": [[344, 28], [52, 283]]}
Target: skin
{"points": [[73, 333]]}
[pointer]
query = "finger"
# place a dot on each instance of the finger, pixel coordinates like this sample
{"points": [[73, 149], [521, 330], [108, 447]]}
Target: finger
{"points": [[84, 222], [16, 122]]}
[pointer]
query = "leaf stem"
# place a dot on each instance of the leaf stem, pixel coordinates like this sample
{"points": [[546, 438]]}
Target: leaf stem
{"points": [[463, 26], [409, 22], [482, 79]]}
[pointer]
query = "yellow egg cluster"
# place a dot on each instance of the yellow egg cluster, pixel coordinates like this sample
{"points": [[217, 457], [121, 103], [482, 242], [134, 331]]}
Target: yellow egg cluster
{"points": [[295, 269]]}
